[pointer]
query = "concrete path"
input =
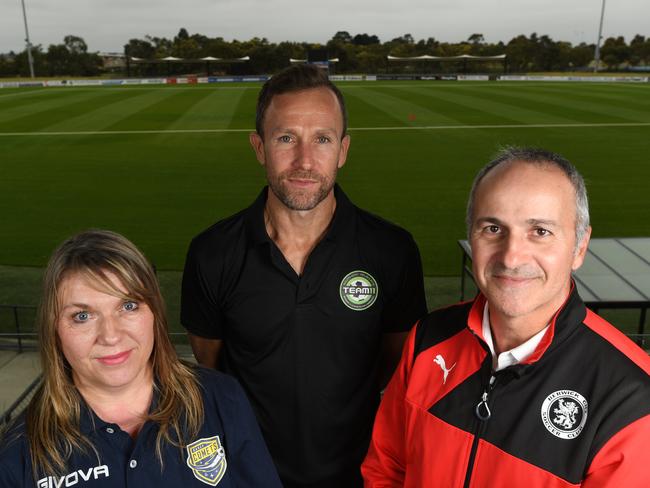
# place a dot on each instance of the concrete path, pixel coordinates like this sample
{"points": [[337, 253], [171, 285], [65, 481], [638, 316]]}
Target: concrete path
{"points": [[17, 371]]}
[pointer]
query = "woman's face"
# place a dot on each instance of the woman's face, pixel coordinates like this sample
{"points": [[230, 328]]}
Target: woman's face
{"points": [[107, 340]]}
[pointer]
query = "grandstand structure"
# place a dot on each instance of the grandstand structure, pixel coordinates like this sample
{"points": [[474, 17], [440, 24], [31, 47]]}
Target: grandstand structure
{"points": [[165, 65], [464, 63]]}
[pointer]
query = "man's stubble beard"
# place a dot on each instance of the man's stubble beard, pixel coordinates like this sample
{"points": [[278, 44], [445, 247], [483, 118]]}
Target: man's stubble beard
{"points": [[301, 199]]}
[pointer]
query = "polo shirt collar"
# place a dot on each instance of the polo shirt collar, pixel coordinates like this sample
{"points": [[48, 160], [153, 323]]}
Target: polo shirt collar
{"points": [[255, 219], [90, 422], [342, 220]]}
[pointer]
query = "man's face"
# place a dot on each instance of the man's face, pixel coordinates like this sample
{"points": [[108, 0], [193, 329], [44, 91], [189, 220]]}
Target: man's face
{"points": [[523, 240], [302, 147]]}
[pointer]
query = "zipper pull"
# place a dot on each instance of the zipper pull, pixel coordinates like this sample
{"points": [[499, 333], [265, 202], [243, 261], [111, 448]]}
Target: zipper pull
{"points": [[482, 410]]}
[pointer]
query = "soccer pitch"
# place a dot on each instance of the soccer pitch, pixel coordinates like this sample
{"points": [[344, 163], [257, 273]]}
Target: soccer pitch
{"points": [[161, 163]]}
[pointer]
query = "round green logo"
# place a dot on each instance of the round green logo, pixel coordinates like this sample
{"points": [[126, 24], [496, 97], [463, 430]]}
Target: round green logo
{"points": [[358, 290]]}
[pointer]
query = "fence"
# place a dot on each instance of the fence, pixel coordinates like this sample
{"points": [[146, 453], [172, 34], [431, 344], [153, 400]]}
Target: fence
{"points": [[17, 327]]}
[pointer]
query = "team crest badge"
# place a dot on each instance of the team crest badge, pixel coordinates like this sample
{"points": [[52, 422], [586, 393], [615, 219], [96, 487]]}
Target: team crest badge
{"points": [[564, 413], [207, 460], [358, 290]]}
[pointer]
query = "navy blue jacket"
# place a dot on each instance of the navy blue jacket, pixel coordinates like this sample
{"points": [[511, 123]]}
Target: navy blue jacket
{"points": [[228, 451]]}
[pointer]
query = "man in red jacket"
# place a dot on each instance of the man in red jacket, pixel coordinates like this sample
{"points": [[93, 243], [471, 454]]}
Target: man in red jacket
{"points": [[523, 386]]}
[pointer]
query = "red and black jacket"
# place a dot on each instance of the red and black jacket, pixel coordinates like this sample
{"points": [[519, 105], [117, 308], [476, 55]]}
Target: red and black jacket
{"points": [[575, 413]]}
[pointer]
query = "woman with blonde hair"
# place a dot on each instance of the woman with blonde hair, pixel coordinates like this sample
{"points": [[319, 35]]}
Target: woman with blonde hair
{"points": [[116, 406]]}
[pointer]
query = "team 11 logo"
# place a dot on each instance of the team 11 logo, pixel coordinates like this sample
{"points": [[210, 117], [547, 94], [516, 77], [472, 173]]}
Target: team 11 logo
{"points": [[358, 290]]}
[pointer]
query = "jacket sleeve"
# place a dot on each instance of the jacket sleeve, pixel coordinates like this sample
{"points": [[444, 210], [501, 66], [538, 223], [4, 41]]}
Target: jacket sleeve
{"points": [[385, 463], [622, 461]]}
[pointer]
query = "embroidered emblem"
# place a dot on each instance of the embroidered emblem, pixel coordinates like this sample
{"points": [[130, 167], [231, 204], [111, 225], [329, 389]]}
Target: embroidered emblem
{"points": [[440, 361], [207, 460], [564, 413], [358, 290]]}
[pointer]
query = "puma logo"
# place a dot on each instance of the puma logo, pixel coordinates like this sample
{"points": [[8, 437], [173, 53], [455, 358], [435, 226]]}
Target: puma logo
{"points": [[440, 361]]}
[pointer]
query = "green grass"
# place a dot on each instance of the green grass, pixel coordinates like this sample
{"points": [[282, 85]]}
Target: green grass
{"points": [[161, 188]]}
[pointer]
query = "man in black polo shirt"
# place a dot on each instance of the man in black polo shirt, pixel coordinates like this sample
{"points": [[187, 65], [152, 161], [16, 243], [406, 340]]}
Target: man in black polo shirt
{"points": [[304, 297]]}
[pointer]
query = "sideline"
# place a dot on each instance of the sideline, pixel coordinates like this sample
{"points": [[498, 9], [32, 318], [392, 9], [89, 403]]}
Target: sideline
{"points": [[351, 129]]}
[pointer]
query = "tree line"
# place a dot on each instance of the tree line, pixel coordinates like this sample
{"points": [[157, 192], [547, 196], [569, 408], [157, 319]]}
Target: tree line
{"points": [[360, 53]]}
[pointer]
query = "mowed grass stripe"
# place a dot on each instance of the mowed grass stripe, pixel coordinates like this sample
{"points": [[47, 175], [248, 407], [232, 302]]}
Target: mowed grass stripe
{"points": [[244, 116], [625, 90], [557, 108], [406, 111], [597, 94], [494, 107], [632, 107], [600, 111], [465, 113], [361, 112], [161, 113], [109, 115], [20, 92], [26, 98], [59, 116], [213, 109], [27, 112]]}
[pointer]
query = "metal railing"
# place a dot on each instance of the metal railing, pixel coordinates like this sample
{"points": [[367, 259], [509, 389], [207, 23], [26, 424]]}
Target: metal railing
{"points": [[16, 314]]}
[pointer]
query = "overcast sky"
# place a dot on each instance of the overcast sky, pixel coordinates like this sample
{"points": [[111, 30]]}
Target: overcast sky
{"points": [[106, 25]]}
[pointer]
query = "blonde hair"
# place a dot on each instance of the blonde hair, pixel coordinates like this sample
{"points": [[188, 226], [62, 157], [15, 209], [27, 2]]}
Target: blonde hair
{"points": [[53, 415]]}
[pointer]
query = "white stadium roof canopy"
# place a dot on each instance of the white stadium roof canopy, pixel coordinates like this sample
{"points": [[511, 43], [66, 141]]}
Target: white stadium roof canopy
{"points": [[426, 57]]}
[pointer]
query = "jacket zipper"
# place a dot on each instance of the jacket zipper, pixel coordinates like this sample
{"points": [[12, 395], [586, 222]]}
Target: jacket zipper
{"points": [[483, 414]]}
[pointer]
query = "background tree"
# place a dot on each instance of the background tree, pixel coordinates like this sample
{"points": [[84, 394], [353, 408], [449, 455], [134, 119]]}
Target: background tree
{"points": [[342, 36], [357, 52], [365, 40], [615, 51]]}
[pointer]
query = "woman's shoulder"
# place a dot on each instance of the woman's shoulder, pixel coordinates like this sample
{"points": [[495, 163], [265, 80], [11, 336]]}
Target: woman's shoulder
{"points": [[13, 434], [212, 380], [14, 453]]}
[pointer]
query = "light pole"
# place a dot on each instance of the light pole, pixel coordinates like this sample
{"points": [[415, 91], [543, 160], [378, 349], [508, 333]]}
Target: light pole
{"points": [[600, 36], [28, 44]]}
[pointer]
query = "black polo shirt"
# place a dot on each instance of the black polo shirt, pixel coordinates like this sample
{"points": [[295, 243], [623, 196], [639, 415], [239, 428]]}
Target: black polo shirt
{"points": [[228, 451], [305, 348]]}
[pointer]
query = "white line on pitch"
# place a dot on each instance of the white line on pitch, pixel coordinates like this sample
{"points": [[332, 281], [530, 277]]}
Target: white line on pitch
{"points": [[352, 129], [508, 126]]}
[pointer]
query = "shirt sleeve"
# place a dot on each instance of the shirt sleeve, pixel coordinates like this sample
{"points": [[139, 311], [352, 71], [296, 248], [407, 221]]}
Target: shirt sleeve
{"points": [[249, 459], [406, 304], [201, 313], [621, 461], [385, 463]]}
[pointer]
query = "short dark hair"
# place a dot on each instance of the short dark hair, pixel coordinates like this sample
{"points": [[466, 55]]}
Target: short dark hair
{"points": [[534, 155], [295, 78]]}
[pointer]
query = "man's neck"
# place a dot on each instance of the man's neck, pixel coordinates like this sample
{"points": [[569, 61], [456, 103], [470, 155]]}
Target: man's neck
{"points": [[297, 232], [510, 332]]}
